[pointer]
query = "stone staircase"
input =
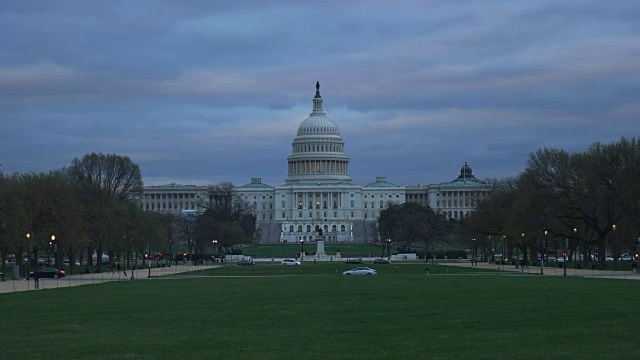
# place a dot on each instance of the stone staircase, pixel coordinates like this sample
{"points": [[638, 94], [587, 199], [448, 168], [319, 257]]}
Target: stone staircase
{"points": [[364, 231], [269, 232]]}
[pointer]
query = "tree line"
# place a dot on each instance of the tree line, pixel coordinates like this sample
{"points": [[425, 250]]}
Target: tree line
{"points": [[92, 207], [585, 204], [88, 207]]}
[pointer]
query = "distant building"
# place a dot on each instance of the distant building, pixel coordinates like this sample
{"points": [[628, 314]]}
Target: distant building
{"points": [[173, 197], [318, 193]]}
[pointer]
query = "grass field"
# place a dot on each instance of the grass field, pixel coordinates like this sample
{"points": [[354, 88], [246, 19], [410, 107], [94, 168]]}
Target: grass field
{"points": [[395, 315]]}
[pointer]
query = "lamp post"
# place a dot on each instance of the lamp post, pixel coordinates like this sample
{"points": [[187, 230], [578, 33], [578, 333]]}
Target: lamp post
{"points": [[301, 249], [214, 242], [28, 236], [613, 227], [564, 257], [3, 227], [132, 263], [524, 253], [517, 252], [473, 251], [53, 247], [542, 253], [389, 249]]}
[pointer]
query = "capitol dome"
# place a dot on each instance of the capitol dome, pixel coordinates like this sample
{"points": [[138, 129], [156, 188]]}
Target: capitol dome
{"points": [[318, 125], [318, 150]]}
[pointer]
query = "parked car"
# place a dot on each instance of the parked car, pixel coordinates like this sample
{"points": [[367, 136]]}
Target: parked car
{"points": [[608, 258], [381, 261], [49, 273], [67, 264], [246, 262], [354, 261], [290, 262], [360, 271], [626, 258]]}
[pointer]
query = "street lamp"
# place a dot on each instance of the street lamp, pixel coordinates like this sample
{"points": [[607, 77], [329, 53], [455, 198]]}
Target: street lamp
{"points": [[564, 256], [473, 252], [542, 248], [28, 236], [389, 249], [613, 227], [214, 247], [575, 231], [523, 254], [301, 249], [53, 248]]}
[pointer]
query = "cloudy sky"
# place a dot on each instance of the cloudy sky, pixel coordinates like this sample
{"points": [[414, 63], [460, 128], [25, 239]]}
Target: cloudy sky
{"points": [[199, 92]]}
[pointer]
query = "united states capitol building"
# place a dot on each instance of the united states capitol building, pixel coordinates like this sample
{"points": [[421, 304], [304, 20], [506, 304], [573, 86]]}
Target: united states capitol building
{"points": [[319, 194]]}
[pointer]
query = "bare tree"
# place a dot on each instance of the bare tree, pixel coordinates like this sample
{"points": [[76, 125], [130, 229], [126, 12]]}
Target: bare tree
{"points": [[114, 176], [101, 179]]}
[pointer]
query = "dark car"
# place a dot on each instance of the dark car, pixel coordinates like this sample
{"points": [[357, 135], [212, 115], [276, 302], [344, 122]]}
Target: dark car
{"points": [[381, 261], [49, 273], [246, 262], [354, 261]]}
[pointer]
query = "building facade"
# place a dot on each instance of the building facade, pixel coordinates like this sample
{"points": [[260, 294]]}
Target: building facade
{"points": [[318, 193]]}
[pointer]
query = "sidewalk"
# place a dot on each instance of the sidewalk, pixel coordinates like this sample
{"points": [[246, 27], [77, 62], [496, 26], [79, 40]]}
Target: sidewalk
{"points": [[11, 285], [549, 270]]}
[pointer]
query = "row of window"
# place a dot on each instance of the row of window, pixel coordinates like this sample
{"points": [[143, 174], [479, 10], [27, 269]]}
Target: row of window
{"points": [[263, 196], [455, 203], [462, 193], [414, 196], [373, 204], [264, 206], [171, 196], [318, 148], [335, 214], [324, 194], [169, 206], [381, 196], [325, 228], [456, 214]]}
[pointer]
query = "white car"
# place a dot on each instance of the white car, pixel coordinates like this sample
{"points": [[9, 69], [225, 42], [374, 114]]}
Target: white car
{"points": [[360, 271], [290, 262]]}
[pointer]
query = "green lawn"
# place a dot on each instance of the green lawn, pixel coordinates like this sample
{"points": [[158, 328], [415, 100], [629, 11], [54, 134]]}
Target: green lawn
{"points": [[403, 315], [310, 268]]}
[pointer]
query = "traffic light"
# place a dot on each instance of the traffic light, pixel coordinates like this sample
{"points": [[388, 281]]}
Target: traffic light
{"points": [[635, 255]]}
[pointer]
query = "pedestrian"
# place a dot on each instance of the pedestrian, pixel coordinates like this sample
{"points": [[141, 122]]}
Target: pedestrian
{"points": [[118, 267], [36, 279]]}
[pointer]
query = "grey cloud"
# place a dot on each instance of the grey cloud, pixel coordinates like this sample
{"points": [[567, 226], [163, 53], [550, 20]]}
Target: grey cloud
{"points": [[215, 90]]}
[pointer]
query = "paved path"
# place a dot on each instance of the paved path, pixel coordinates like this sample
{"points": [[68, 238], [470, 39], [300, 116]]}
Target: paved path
{"points": [[551, 270], [11, 285]]}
